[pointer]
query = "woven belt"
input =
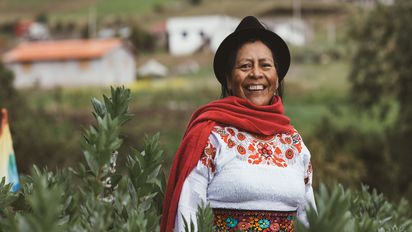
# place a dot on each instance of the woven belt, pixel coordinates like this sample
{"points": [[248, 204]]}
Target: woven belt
{"points": [[253, 220]]}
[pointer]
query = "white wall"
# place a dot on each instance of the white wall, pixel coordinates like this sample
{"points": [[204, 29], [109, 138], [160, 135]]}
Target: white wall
{"points": [[116, 67], [185, 32]]}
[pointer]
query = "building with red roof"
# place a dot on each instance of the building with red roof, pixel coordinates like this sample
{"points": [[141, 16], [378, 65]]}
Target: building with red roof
{"points": [[71, 63]]}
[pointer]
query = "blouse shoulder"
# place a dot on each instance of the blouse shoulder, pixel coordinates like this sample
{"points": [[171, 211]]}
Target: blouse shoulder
{"points": [[295, 136]]}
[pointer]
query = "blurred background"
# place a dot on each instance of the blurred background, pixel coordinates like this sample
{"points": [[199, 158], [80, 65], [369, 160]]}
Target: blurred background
{"points": [[348, 91]]}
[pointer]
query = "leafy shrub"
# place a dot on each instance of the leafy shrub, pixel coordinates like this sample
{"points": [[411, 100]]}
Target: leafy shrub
{"points": [[356, 211], [95, 196], [340, 210]]}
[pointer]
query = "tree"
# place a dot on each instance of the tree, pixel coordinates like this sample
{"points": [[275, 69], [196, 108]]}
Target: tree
{"points": [[141, 39], [7, 93], [381, 80]]}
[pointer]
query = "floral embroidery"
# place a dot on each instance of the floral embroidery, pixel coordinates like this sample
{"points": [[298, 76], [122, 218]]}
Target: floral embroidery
{"points": [[228, 220], [230, 143], [275, 227], [289, 153], [230, 130], [231, 222], [241, 136], [263, 137], [219, 221], [243, 225], [264, 223], [241, 149], [278, 150], [297, 141], [208, 156]]}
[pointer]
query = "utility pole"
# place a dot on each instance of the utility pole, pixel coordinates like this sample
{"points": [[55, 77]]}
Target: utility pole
{"points": [[297, 9]]}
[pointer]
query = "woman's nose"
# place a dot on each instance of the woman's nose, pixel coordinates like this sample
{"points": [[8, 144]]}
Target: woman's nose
{"points": [[256, 72]]}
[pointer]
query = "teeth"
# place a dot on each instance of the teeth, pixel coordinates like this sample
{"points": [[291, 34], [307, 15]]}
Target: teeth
{"points": [[255, 87]]}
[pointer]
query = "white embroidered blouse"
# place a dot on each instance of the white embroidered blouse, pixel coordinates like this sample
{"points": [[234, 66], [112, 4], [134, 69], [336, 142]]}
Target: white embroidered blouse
{"points": [[240, 170]]}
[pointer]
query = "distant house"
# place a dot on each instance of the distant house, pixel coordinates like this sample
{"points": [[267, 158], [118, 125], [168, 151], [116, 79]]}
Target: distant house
{"points": [[294, 31], [71, 63], [187, 35], [152, 68]]}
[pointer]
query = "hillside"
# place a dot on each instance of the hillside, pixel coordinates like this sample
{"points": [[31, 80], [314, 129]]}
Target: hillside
{"points": [[154, 10]]}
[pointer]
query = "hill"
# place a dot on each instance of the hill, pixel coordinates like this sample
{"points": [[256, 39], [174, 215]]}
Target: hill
{"points": [[154, 10]]}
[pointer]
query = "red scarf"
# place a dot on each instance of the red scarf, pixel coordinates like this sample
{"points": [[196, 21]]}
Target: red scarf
{"points": [[231, 111]]}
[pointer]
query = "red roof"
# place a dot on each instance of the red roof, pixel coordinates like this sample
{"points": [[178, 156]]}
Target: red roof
{"points": [[61, 50]]}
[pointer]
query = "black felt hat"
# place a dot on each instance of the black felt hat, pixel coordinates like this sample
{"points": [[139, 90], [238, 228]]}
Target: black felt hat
{"points": [[248, 28]]}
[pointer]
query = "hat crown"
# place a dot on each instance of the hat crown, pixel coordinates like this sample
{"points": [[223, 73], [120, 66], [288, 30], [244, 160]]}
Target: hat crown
{"points": [[249, 22]]}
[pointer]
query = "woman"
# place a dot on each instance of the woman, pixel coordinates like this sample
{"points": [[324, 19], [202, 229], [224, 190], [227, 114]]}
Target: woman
{"points": [[240, 154]]}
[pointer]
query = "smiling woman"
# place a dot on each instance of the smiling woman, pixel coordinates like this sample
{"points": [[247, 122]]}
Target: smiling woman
{"points": [[240, 154]]}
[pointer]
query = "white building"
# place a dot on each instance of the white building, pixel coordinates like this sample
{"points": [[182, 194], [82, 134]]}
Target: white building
{"points": [[190, 34], [152, 68], [293, 31], [71, 63]]}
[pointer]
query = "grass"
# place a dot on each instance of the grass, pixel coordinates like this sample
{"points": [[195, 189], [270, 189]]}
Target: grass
{"points": [[118, 8], [77, 9]]}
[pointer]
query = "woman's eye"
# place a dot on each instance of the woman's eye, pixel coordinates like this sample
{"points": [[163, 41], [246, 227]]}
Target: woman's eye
{"points": [[245, 66]]}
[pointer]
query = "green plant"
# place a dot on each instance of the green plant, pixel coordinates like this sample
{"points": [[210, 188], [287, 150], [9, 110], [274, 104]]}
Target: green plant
{"points": [[356, 211], [96, 196], [204, 220], [339, 210]]}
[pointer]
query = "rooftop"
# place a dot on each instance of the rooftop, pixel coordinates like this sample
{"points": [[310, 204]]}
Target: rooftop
{"points": [[61, 50]]}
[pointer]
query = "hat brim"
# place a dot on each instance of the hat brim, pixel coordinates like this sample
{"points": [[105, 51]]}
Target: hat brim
{"points": [[277, 45]]}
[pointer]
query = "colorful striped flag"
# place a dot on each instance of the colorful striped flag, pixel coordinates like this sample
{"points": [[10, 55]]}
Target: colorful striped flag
{"points": [[8, 167]]}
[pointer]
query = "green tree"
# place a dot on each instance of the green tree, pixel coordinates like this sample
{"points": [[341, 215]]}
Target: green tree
{"points": [[8, 94], [141, 39], [381, 80]]}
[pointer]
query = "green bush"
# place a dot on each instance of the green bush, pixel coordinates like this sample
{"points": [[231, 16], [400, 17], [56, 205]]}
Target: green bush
{"points": [[356, 211], [96, 196]]}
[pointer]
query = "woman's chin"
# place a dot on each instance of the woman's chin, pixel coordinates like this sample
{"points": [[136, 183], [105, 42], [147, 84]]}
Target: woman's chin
{"points": [[259, 101]]}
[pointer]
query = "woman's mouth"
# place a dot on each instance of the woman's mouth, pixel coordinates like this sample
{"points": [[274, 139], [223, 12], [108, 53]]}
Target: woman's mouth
{"points": [[255, 87]]}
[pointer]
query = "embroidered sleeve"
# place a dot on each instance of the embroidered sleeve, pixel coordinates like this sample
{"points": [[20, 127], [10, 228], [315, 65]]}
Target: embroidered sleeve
{"points": [[309, 200], [195, 186], [207, 159]]}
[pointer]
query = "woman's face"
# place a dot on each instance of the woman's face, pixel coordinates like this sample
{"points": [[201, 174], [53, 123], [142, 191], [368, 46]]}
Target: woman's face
{"points": [[254, 75]]}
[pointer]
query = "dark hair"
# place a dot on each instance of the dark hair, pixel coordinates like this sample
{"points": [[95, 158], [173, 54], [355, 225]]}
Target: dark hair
{"points": [[232, 60]]}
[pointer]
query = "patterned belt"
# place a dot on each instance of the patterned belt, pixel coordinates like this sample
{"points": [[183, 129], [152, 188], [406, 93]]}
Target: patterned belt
{"points": [[253, 220]]}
